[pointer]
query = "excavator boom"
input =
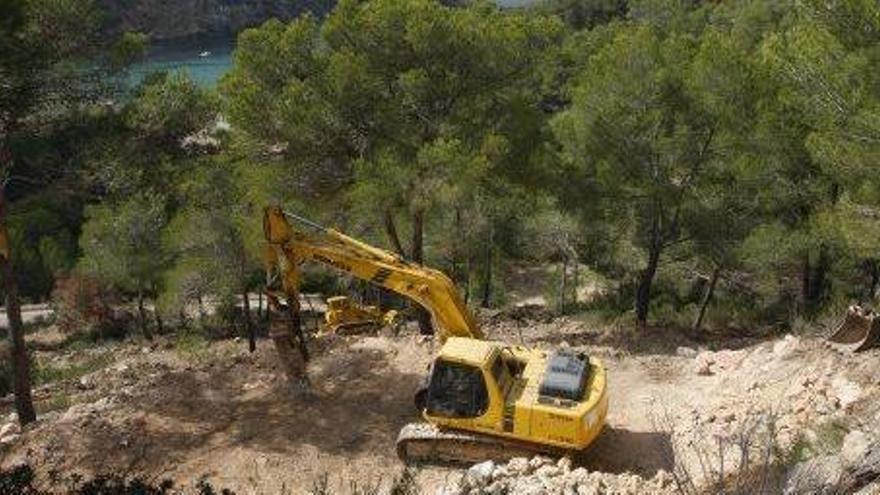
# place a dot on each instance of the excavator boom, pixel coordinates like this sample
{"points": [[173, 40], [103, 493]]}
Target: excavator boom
{"points": [[288, 247], [482, 399]]}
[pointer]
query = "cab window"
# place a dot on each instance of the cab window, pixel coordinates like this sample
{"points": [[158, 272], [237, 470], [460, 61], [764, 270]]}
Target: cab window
{"points": [[457, 391]]}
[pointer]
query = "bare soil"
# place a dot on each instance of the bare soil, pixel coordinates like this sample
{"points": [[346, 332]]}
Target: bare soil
{"points": [[166, 410]]}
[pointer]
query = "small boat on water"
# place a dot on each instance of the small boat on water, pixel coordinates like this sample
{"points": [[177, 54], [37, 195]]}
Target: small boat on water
{"points": [[205, 54]]}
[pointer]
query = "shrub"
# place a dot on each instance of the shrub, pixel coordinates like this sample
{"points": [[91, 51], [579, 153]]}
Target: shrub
{"points": [[84, 306]]}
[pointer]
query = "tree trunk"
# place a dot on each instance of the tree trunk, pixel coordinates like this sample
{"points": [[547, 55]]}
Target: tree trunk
{"points": [[248, 324], [259, 305], [418, 255], [815, 280], [142, 315], [24, 405], [563, 285], [643, 293], [576, 280], [821, 284], [487, 279], [707, 298], [805, 284], [391, 232], [160, 326], [874, 271], [467, 281], [201, 307], [457, 263], [296, 324]]}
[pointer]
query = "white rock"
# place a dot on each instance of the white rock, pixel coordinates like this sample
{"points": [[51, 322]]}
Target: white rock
{"points": [[855, 446], [480, 474], [518, 465], [12, 418], [846, 391], [539, 461], [579, 475], [10, 429], [785, 346], [85, 383], [549, 471], [686, 352], [5, 440], [564, 464], [500, 472], [496, 488], [591, 489], [704, 362]]}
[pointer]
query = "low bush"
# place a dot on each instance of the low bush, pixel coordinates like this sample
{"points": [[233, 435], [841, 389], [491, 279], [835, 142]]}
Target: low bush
{"points": [[83, 305], [20, 480]]}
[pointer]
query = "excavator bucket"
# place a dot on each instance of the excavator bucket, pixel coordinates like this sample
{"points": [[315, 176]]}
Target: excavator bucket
{"points": [[859, 330]]}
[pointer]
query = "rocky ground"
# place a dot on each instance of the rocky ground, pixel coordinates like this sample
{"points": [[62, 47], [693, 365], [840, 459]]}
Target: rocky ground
{"points": [[685, 410]]}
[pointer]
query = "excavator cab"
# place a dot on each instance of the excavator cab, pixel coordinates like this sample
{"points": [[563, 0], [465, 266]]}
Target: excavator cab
{"points": [[520, 396]]}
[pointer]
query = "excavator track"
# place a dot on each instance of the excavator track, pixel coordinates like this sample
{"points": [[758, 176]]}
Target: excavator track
{"points": [[426, 443]]}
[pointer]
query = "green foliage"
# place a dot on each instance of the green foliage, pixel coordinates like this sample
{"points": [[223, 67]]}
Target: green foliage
{"points": [[129, 48], [43, 240], [191, 345], [213, 240], [168, 108], [581, 14], [44, 373], [657, 141], [121, 243]]}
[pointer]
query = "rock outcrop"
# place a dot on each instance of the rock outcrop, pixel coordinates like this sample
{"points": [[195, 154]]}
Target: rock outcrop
{"points": [[163, 20]]}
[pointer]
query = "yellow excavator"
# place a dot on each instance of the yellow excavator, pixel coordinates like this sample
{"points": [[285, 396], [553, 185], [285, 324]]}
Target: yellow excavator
{"points": [[481, 399], [347, 317]]}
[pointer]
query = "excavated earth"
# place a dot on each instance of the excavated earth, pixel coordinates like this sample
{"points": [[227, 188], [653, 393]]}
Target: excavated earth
{"points": [[164, 410]]}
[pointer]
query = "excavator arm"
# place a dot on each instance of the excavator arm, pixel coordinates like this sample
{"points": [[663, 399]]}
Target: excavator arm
{"points": [[287, 248]]}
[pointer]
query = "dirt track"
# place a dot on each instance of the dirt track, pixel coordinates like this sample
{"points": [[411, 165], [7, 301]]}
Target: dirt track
{"points": [[221, 413]]}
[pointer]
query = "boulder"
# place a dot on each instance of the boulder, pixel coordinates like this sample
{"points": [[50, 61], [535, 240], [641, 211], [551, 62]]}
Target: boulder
{"points": [[819, 475], [9, 429], [845, 391], [85, 383], [496, 488], [855, 448], [786, 346], [549, 471], [479, 475], [564, 464], [704, 362], [519, 466], [9, 433], [539, 461]]}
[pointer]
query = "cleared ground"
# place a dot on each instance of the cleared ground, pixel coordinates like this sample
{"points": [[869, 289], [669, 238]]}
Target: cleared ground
{"points": [[186, 409]]}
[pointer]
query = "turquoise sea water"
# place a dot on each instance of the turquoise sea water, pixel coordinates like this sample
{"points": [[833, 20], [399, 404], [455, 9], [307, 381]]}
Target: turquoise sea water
{"points": [[207, 57], [204, 58]]}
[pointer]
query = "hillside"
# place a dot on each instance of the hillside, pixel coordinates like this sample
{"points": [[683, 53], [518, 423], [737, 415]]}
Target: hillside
{"points": [[163, 20]]}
